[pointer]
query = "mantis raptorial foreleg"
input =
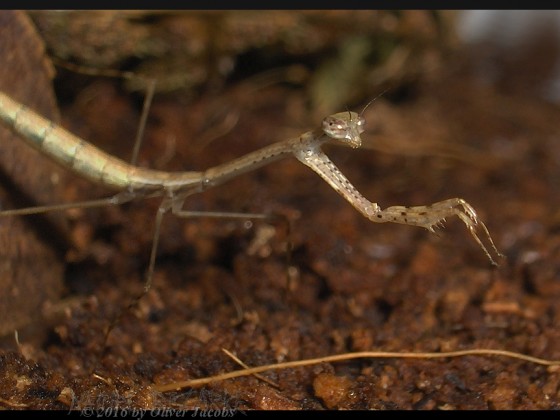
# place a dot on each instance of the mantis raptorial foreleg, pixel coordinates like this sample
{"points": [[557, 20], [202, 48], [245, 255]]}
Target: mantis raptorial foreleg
{"points": [[428, 216]]}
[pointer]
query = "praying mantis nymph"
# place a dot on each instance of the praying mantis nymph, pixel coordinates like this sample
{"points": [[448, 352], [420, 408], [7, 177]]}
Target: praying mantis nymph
{"points": [[134, 182]]}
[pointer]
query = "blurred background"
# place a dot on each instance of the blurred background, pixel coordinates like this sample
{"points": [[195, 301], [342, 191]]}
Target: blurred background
{"points": [[515, 49]]}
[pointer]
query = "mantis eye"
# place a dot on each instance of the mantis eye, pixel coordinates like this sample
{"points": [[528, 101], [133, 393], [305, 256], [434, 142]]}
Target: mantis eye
{"points": [[334, 127]]}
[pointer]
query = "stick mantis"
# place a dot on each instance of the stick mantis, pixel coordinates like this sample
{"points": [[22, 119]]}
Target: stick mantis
{"points": [[134, 182]]}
